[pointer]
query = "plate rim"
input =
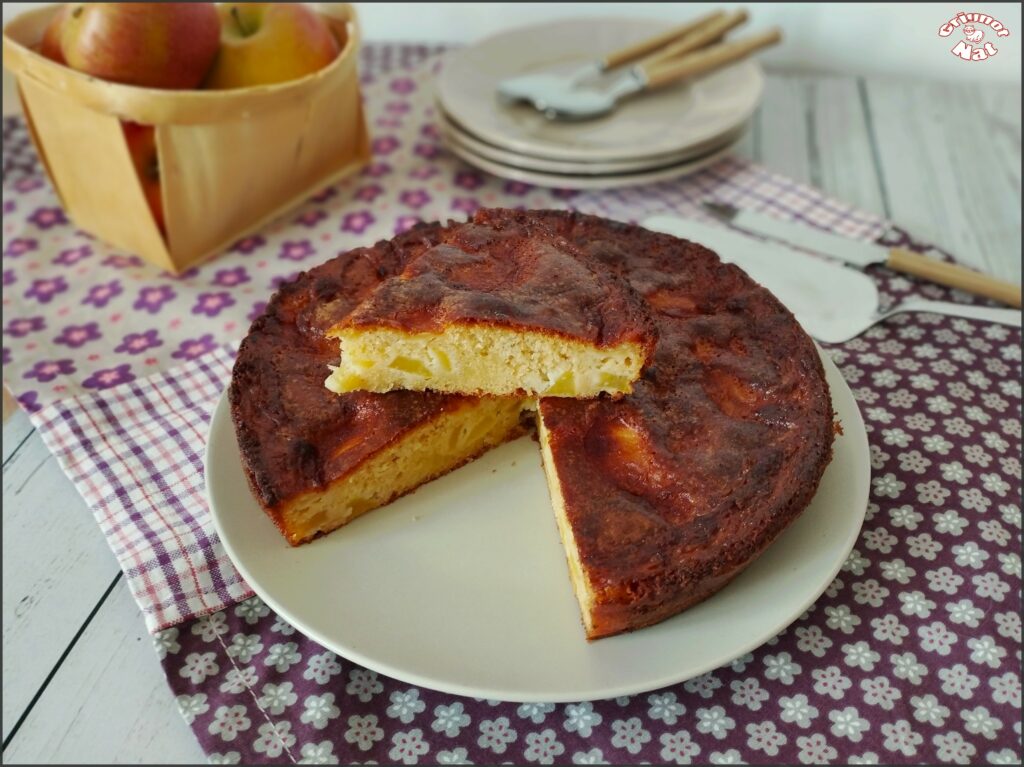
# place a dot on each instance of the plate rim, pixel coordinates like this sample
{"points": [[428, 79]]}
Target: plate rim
{"points": [[221, 427], [599, 181], [451, 125], [451, 130], [549, 151]]}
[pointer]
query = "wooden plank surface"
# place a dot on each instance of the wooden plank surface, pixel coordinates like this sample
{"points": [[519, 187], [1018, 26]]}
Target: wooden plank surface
{"points": [[80, 675], [813, 129], [110, 703], [946, 180], [17, 428], [55, 565]]}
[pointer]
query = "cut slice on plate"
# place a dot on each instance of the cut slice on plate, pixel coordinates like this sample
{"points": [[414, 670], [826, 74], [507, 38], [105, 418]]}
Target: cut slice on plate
{"points": [[499, 311], [316, 460], [664, 496]]}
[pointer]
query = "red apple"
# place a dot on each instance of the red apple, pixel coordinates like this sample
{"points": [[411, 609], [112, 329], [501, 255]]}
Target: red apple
{"points": [[142, 147], [50, 45], [264, 43], [154, 45]]}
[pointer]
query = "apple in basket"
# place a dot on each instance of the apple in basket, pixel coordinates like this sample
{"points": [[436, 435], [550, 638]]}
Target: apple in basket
{"points": [[153, 45], [50, 45], [265, 43], [141, 140]]}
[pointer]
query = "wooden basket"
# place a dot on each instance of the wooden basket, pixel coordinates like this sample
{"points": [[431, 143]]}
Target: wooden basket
{"points": [[229, 160]]}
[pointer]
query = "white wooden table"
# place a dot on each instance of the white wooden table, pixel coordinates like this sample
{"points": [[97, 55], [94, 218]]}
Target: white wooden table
{"points": [[81, 682]]}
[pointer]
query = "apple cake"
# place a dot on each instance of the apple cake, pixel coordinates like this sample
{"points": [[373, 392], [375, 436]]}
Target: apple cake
{"points": [[499, 310], [661, 496]]}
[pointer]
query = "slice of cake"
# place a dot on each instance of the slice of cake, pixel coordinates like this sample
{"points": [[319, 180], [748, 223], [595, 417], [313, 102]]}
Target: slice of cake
{"points": [[316, 460], [510, 310], [664, 496]]}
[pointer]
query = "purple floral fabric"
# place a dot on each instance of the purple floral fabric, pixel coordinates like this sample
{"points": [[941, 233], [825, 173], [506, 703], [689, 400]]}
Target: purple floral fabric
{"points": [[912, 655]]}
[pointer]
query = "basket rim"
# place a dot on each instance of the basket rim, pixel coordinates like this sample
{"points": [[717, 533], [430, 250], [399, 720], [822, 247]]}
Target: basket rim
{"points": [[154, 106]]}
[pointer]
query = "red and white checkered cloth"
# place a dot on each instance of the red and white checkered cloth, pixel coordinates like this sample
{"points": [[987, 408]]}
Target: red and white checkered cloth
{"points": [[135, 453]]}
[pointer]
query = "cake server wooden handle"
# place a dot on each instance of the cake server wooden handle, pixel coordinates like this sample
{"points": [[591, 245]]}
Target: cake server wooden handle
{"points": [[953, 276], [708, 59], [642, 48]]}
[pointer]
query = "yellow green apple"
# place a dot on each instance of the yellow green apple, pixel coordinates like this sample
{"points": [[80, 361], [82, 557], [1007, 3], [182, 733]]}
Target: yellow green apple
{"points": [[265, 43]]}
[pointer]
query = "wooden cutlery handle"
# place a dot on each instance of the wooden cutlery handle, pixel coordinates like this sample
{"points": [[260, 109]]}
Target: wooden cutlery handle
{"points": [[644, 47], [708, 59], [710, 32], [953, 276]]}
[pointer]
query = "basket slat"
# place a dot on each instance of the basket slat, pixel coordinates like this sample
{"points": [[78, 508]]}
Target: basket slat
{"points": [[89, 163], [230, 160]]}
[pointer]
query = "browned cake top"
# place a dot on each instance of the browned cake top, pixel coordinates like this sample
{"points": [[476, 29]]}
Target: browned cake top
{"points": [[511, 272], [723, 440]]}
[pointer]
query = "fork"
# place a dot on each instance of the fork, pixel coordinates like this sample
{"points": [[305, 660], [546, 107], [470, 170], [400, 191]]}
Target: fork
{"points": [[536, 88]]}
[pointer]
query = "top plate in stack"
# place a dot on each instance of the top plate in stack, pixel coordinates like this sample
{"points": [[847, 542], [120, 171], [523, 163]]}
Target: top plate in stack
{"points": [[669, 132]]}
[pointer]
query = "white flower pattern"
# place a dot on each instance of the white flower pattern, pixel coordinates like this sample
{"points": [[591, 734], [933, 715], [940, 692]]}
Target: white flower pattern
{"points": [[321, 667], [405, 705], [319, 710], [543, 747], [363, 731], [847, 723], [408, 747], [630, 734], [714, 721], [274, 739], [798, 710], [496, 734], [450, 719], [581, 718], [276, 698]]}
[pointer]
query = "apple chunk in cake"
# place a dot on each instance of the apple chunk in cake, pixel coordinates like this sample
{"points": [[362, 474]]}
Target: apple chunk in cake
{"points": [[493, 311]]}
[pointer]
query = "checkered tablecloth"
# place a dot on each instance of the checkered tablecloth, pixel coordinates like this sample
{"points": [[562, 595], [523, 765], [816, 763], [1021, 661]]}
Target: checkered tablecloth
{"points": [[911, 655]]}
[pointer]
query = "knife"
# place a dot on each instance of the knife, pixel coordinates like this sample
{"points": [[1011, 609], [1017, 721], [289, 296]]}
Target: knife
{"points": [[832, 302], [863, 254]]}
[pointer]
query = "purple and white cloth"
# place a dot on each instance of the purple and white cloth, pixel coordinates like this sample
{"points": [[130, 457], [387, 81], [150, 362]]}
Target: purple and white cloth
{"points": [[912, 655]]}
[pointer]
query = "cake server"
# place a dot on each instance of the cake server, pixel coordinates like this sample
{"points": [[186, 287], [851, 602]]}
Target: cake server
{"points": [[831, 302], [863, 254]]}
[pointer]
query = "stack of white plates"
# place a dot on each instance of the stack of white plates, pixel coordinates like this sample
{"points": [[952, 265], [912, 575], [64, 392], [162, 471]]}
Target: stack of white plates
{"points": [[649, 137]]}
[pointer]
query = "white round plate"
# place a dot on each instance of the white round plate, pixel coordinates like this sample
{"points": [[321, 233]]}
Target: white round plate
{"points": [[662, 122], [584, 181], [462, 586], [454, 133]]}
